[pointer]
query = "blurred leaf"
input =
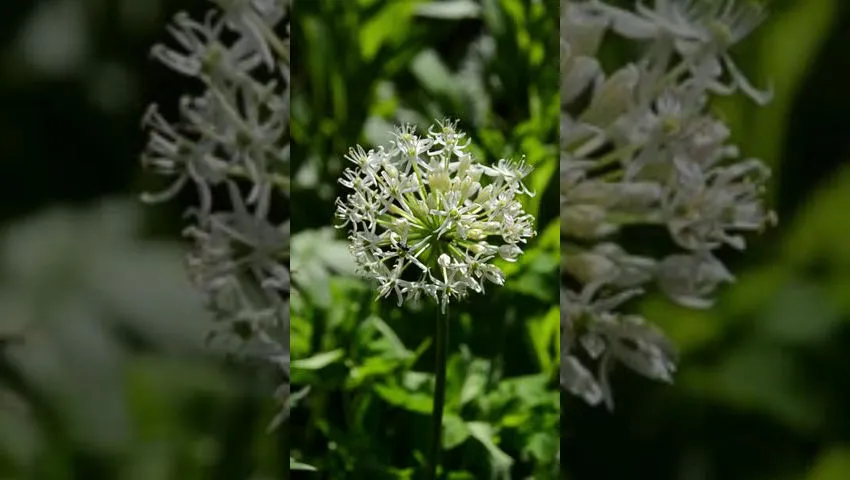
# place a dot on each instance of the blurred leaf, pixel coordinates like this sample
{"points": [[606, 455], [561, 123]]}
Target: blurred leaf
{"points": [[398, 396], [450, 9], [318, 362], [499, 460], [543, 445], [295, 465], [800, 314], [761, 378], [56, 38], [832, 464], [77, 275], [532, 275], [753, 289], [390, 23], [545, 333], [315, 254], [20, 439], [455, 431], [687, 328], [819, 230], [371, 367], [433, 74], [475, 380], [798, 33], [396, 344]]}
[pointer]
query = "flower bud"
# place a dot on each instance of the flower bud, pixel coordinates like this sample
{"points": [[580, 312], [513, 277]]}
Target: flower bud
{"points": [[588, 267], [586, 221]]}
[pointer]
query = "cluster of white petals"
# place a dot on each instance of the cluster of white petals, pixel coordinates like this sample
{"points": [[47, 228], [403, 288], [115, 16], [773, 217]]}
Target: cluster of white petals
{"points": [[427, 219], [231, 142], [641, 148]]}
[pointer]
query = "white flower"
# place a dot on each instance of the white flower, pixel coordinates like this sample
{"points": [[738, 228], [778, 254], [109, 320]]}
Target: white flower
{"points": [[702, 31], [642, 149], [422, 221], [234, 136]]}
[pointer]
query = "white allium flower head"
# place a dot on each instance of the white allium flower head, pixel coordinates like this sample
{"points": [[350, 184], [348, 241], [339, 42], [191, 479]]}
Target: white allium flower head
{"points": [[428, 219]]}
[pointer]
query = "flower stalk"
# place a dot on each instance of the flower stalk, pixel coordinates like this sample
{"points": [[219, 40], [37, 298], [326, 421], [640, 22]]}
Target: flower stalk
{"points": [[441, 341], [427, 220]]}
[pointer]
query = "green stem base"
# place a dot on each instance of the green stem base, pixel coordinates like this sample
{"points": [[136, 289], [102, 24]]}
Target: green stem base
{"points": [[440, 344]]}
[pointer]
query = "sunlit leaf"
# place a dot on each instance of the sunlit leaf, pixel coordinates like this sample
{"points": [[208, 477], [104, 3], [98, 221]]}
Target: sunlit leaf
{"points": [[450, 9], [318, 362]]}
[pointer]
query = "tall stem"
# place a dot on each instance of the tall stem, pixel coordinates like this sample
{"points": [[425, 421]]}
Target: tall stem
{"points": [[441, 346]]}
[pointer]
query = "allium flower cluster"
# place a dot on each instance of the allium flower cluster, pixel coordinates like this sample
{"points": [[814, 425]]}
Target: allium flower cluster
{"points": [[427, 219], [232, 143], [640, 147]]}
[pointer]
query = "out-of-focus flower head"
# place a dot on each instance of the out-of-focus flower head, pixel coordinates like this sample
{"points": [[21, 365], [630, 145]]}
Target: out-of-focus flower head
{"points": [[231, 142], [640, 147]]}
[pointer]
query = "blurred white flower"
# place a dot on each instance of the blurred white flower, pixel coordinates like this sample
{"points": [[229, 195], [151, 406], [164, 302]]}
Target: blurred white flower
{"points": [[639, 147], [234, 137], [701, 31]]}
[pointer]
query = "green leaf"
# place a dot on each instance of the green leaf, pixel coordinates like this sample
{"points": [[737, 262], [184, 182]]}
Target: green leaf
{"points": [[372, 367], [550, 238], [800, 314], [819, 230], [762, 378], [542, 446], [475, 381], [464, 475], [483, 432], [798, 32], [433, 74], [545, 335], [295, 465], [391, 22], [450, 9], [831, 464], [319, 361], [455, 431], [315, 255], [387, 332], [407, 400]]}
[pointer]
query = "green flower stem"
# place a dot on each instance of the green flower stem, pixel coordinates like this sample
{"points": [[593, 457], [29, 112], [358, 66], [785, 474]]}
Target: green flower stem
{"points": [[441, 345]]}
